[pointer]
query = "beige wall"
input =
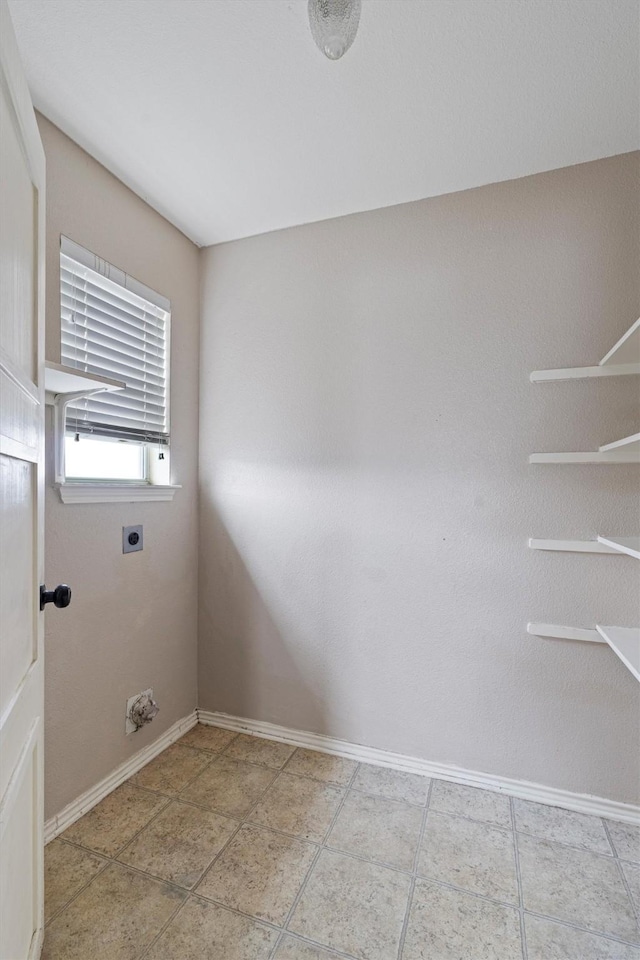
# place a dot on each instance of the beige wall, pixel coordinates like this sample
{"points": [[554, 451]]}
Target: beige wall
{"points": [[132, 621], [366, 416]]}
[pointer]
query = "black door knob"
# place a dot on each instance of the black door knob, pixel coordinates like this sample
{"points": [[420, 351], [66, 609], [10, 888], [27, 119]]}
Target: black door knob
{"points": [[60, 597]]}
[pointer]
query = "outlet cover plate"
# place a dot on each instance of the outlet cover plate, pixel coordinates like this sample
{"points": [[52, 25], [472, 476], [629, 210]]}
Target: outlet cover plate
{"points": [[132, 538], [128, 726]]}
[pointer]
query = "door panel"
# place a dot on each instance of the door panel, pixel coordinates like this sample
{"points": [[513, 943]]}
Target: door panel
{"points": [[19, 909], [21, 509], [17, 604]]}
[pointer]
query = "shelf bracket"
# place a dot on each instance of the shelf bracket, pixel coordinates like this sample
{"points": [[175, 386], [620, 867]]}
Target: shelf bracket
{"points": [[60, 402]]}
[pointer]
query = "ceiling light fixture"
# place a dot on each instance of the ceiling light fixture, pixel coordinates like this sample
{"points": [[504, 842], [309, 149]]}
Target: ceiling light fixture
{"points": [[334, 24]]}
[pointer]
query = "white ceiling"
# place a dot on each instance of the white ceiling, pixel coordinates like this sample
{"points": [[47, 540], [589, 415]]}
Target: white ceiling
{"points": [[225, 117]]}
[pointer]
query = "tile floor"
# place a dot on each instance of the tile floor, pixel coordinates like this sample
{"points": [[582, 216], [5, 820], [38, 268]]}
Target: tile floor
{"points": [[230, 847]]}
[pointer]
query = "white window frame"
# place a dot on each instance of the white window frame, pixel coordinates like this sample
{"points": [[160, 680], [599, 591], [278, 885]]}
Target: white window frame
{"points": [[157, 482]]}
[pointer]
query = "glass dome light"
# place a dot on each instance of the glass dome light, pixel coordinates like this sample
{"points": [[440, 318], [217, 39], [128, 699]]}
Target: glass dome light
{"points": [[334, 24]]}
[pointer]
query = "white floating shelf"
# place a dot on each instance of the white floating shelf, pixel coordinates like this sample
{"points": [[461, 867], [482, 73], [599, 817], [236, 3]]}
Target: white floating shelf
{"points": [[627, 349], [59, 380], [622, 360], [585, 373], [625, 643], [619, 455], [628, 545], [631, 443], [573, 546], [560, 632]]}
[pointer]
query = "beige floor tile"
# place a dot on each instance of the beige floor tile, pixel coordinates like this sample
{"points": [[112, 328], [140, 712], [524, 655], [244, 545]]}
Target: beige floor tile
{"points": [[115, 820], [229, 786], [297, 806], [66, 870], [393, 784], [114, 918], [577, 886], [547, 940], [632, 875], [179, 844], [269, 753], [321, 766], [447, 925], [204, 737], [260, 873], [470, 855], [294, 949], [378, 829], [205, 931], [353, 906], [172, 769], [463, 801], [626, 840], [565, 826]]}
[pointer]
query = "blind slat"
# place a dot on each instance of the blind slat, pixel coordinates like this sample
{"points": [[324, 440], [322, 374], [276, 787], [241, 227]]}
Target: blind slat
{"points": [[111, 401], [96, 351], [111, 331], [109, 291], [118, 371], [84, 293], [84, 310], [123, 418]]}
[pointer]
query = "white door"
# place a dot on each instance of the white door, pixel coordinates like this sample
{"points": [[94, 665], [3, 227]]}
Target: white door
{"points": [[22, 218]]}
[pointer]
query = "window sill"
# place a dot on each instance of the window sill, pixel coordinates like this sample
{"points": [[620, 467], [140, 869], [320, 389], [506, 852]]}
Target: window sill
{"points": [[115, 492]]}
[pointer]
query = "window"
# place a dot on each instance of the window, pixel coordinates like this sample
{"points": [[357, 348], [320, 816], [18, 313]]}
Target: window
{"points": [[113, 326], [103, 459]]}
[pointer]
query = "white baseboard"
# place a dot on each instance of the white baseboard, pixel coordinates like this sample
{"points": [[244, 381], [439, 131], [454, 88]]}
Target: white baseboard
{"points": [[77, 808], [580, 802]]}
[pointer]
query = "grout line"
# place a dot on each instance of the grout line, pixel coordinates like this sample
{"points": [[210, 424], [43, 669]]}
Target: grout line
{"points": [[241, 823], [561, 843], [381, 796], [322, 846], [300, 938], [608, 835], [635, 908], [239, 913], [414, 871], [145, 951], [138, 832], [516, 853], [575, 926], [138, 870], [81, 890]]}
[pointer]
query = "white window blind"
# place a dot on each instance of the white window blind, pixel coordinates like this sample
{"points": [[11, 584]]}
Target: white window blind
{"points": [[114, 326]]}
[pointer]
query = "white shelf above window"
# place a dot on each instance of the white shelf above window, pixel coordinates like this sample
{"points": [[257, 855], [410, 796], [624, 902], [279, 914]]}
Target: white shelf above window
{"points": [[625, 643], [60, 380], [628, 545]]}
